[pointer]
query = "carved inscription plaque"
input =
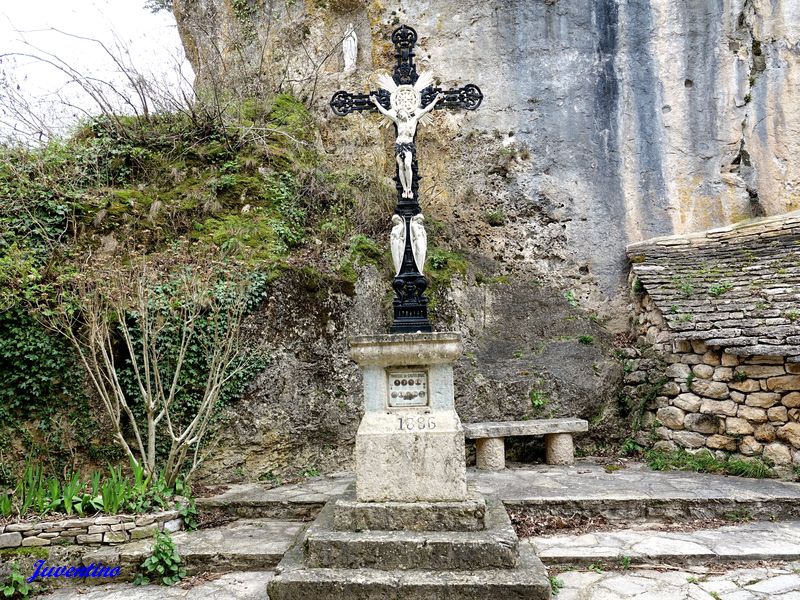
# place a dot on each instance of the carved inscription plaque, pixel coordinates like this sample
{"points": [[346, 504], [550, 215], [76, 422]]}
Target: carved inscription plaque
{"points": [[408, 388]]}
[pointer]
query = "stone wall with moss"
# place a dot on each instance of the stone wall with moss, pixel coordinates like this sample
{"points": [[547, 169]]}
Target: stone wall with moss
{"points": [[744, 406]]}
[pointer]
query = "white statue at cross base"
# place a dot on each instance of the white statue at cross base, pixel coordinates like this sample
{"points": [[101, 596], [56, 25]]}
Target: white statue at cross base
{"points": [[406, 112]]}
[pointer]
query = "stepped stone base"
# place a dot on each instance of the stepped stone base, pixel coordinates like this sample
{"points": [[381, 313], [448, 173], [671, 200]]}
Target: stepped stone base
{"points": [[333, 561], [494, 547], [352, 515], [295, 581]]}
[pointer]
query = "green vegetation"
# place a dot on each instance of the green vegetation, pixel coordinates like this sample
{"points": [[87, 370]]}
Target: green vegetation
{"points": [[625, 563], [164, 565], [244, 183], [718, 289], [586, 340], [739, 376], [570, 296], [36, 494], [792, 315], [311, 471], [15, 585], [706, 462], [555, 585], [538, 399], [496, 218]]}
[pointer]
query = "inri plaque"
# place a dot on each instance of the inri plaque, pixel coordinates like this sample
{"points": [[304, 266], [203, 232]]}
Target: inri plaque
{"points": [[408, 388]]}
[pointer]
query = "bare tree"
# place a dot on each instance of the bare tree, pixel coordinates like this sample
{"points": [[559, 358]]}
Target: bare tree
{"points": [[112, 315]]}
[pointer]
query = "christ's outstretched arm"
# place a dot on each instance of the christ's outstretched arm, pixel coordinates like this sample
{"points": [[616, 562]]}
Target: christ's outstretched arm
{"points": [[379, 106]]}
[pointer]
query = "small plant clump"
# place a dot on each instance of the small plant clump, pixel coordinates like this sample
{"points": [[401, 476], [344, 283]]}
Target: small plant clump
{"points": [[164, 565], [496, 218], [555, 585], [717, 289], [15, 585], [539, 399], [586, 340], [705, 462]]}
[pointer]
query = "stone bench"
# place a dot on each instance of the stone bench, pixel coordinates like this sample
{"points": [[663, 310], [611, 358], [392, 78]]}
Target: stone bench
{"points": [[490, 439]]}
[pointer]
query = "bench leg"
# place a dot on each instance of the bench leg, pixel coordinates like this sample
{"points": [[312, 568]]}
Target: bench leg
{"points": [[559, 449], [491, 454]]}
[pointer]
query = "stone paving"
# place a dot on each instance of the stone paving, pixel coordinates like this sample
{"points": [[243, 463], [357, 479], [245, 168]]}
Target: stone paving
{"points": [[780, 582], [528, 484], [746, 542], [772, 583]]}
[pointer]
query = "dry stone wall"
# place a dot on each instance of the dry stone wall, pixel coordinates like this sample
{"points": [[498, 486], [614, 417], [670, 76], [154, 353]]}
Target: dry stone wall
{"points": [[102, 530], [745, 405]]}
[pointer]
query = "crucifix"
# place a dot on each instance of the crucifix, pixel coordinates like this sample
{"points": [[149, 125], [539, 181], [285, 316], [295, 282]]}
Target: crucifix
{"points": [[407, 98]]}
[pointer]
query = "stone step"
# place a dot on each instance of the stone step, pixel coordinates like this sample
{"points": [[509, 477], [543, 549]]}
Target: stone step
{"points": [[493, 547], [238, 585], [633, 493], [244, 545], [749, 542], [295, 581]]}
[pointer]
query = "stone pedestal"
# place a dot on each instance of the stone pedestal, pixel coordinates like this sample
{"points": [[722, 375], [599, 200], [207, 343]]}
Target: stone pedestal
{"points": [[410, 529], [410, 444]]}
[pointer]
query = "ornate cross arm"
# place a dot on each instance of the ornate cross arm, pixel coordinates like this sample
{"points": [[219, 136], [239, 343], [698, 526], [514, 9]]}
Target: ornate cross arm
{"points": [[468, 97], [343, 103]]}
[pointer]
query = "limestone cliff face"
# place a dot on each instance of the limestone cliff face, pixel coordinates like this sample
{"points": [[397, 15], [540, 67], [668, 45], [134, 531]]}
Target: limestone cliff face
{"points": [[604, 122], [637, 117]]}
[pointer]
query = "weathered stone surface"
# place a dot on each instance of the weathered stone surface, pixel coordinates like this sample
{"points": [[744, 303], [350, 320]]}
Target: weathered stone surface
{"points": [[349, 514], [173, 525], [97, 529], [670, 389], [765, 433], [493, 547], [722, 374], [729, 360], [756, 415], [400, 465], [115, 537], [710, 389], [94, 538], [791, 400], [35, 541], [736, 426], [784, 383], [688, 439], [294, 581], [703, 371], [144, 532], [749, 446], [790, 433], [759, 371], [778, 414], [665, 446], [762, 399], [671, 417], [10, 540], [778, 453], [559, 449], [678, 371], [532, 427], [721, 442], [702, 423], [715, 407], [688, 402], [691, 359], [748, 385]]}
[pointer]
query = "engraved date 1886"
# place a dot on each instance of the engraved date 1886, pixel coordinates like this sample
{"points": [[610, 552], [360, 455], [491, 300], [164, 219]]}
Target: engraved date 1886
{"points": [[417, 423]]}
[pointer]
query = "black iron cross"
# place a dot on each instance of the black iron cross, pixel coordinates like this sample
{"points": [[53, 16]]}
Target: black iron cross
{"points": [[410, 304]]}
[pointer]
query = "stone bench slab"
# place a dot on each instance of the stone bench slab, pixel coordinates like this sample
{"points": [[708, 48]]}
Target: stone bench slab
{"points": [[498, 429]]}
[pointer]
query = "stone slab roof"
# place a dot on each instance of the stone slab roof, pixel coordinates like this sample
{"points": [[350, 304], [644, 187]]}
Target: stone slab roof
{"points": [[737, 287]]}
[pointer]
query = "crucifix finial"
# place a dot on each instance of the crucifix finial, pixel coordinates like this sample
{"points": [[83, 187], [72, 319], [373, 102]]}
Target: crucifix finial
{"points": [[407, 98]]}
